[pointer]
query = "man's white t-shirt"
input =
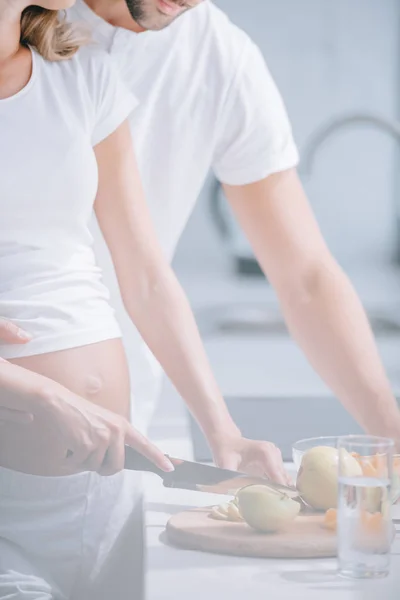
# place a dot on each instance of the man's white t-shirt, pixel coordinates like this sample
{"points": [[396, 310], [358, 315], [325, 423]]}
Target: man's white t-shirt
{"points": [[206, 100]]}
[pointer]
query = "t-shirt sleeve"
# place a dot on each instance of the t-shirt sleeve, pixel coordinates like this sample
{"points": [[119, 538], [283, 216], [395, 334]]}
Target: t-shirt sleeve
{"points": [[112, 102], [254, 136]]}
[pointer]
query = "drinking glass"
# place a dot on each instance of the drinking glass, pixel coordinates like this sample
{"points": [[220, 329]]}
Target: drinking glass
{"points": [[365, 528]]}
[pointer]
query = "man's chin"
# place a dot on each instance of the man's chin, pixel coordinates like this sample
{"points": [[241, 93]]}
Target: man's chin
{"points": [[159, 23]]}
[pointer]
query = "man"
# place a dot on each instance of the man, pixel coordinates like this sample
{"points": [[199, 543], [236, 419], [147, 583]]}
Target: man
{"points": [[207, 101]]}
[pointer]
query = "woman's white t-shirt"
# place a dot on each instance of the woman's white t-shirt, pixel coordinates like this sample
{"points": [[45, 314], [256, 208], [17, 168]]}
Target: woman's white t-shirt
{"points": [[50, 284]]}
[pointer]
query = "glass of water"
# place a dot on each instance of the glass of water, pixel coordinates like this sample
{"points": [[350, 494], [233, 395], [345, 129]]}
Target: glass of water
{"points": [[365, 528]]}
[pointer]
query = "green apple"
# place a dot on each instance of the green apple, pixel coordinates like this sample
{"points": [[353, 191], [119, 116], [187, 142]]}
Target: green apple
{"points": [[265, 509]]}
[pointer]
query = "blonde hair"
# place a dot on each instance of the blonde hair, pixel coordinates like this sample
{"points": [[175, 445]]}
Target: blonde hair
{"points": [[50, 34]]}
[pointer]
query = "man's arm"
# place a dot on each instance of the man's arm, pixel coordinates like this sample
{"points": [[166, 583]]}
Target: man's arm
{"points": [[319, 303]]}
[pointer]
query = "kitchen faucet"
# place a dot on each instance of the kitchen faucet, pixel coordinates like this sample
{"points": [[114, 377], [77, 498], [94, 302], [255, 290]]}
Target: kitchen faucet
{"points": [[389, 126]]}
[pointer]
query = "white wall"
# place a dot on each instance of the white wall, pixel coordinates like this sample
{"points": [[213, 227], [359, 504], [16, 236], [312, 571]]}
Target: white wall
{"points": [[327, 57]]}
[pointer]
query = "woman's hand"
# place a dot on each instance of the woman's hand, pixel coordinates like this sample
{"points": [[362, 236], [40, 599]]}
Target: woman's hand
{"points": [[95, 437], [12, 334], [76, 434]]}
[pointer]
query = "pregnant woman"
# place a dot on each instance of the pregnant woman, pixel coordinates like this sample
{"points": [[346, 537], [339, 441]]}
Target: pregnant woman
{"points": [[52, 114], [65, 149]]}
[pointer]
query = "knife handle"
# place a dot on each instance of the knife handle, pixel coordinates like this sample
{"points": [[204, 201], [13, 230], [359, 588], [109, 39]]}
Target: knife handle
{"points": [[134, 461]]}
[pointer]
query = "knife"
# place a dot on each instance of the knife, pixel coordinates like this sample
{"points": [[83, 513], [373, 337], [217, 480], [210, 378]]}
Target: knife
{"points": [[202, 478]]}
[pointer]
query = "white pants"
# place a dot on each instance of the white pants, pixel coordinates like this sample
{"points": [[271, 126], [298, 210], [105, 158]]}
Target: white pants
{"points": [[77, 537]]}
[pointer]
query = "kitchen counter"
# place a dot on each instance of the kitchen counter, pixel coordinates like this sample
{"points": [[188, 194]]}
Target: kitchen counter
{"points": [[175, 574]]}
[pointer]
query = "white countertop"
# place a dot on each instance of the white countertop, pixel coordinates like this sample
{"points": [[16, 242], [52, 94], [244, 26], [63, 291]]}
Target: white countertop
{"points": [[175, 574]]}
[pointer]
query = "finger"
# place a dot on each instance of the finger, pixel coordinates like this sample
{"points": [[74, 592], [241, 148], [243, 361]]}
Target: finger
{"points": [[12, 334], [76, 459], [15, 416], [89, 455], [228, 461], [78, 451], [114, 458], [273, 465], [94, 461], [289, 479], [137, 441]]}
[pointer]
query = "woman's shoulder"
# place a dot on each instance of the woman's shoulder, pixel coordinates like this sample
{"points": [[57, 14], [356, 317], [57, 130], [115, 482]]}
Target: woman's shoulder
{"points": [[88, 72], [92, 60]]}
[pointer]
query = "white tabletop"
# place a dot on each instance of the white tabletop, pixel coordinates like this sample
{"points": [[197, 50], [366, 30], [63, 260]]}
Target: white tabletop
{"points": [[175, 574]]}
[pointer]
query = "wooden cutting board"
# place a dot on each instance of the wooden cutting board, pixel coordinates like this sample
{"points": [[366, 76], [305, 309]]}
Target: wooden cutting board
{"points": [[304, 538]]}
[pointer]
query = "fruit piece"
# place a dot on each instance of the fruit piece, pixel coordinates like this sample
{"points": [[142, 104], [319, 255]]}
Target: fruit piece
{"points": [[373, 499], [219, 513], [233, 512], [368, 467], [373, 496], [330, 519], [376, 467], [380, 463], [374, 533], [226, 512], [373, 523], [317, 480], [266, 510]]}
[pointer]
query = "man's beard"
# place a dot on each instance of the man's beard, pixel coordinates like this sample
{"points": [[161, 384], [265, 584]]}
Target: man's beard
{"points": [[146, 19], [135, 7]]}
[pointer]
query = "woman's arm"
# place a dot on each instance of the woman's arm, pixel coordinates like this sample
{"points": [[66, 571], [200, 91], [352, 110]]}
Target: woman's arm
{"points": [[159, 308]]}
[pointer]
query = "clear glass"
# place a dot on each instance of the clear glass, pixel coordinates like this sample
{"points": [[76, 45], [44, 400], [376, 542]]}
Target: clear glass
{"points": [[365, 528], [301, 446]]}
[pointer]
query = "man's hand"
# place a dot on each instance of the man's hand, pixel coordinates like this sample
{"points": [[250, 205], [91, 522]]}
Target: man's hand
{"points": [[12, 334], [53, 431], [262, 459]]}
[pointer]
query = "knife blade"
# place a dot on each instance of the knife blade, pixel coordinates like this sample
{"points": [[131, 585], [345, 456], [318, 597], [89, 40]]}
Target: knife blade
{"points": [[202, 478]]}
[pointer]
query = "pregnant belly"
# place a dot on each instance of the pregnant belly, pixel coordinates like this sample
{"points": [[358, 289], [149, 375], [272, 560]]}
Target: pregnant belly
{"points": [[97, 372]]}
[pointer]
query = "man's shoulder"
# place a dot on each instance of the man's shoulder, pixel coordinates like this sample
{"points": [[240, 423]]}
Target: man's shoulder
{"points": [[211, 28], [206, 14], [92, 56], [211, 18]]}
